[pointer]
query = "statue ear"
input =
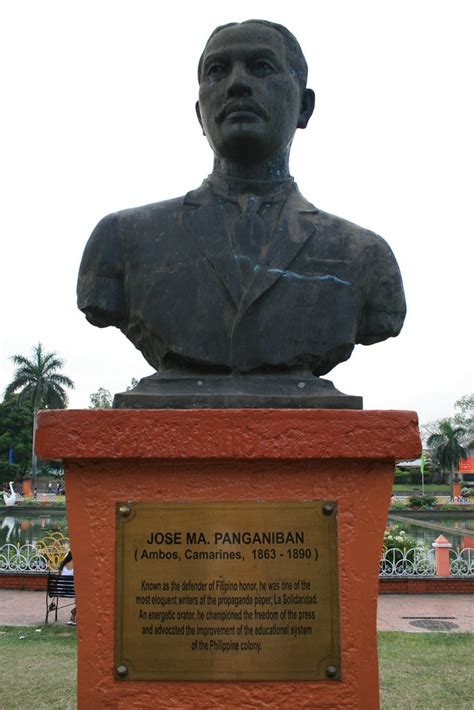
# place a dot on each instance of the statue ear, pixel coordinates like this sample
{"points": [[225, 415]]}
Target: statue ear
{"points": [[307, 107], [198, 114]]}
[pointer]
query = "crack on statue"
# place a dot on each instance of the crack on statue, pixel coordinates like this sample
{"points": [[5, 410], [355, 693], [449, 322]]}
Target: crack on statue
{"points": [[304, 277]]}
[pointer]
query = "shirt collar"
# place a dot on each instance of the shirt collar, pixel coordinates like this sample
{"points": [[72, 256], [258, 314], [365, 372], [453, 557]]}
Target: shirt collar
{"points": [[234, 189]]}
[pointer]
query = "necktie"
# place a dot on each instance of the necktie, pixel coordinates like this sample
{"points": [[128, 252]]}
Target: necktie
{"points": [[249, 237]]}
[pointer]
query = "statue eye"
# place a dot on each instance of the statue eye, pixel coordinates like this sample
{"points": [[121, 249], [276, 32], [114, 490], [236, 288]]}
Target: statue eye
{"points": [[216, 70], [260, 67]]}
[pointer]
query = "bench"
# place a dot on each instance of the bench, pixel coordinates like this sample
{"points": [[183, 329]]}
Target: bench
{"points": [[59, 587]]}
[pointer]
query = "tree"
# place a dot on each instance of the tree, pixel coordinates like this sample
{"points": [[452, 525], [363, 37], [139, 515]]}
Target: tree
{"points": [[39, 382], [447, 447], [464, 417], [102, 399], [8, 472], [15, 433], [463, 420]]}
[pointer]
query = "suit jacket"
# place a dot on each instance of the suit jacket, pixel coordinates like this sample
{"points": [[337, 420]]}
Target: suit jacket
{"points": [[167, 276]]}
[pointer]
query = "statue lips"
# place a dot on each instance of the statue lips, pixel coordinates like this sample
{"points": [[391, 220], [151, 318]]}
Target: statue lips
{"points": [[241, 110]]}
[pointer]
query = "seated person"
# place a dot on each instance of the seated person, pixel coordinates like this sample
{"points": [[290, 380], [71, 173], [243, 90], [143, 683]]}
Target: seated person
{"points": [[66, 568]]}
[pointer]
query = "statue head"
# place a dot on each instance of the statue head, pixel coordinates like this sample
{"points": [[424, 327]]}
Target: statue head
{"points": [[252, 91]]}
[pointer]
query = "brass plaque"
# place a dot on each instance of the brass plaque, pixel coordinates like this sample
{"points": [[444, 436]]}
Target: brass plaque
{"points": [[227, 591]]}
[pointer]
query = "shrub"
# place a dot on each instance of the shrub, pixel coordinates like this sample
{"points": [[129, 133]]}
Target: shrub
{"points": [[422, 501], [401, 476], [398, 539], [403, 554], [397, 505]]}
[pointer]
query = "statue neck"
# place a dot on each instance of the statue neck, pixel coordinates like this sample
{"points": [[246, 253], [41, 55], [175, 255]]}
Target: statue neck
{"points": [[236, 179], [231, 187], [274, 169]]}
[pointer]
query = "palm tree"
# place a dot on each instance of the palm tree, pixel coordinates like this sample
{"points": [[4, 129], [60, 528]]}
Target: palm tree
{"points": [[447, 447], [39, 382]]}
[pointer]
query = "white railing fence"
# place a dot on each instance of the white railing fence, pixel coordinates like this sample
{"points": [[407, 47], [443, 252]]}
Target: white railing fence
{"points": [[415, 562], [42, 556], [420, 562], [22, 558], [461, 562]]}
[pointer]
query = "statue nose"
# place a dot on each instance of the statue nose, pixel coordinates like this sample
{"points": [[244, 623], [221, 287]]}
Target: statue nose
{"points": [[238, 83]]}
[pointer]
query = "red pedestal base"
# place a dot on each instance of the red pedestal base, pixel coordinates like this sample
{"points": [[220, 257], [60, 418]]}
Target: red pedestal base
{"points": [[228, 455]]}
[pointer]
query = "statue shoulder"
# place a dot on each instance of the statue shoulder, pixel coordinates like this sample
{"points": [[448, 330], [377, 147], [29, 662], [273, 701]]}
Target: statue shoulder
{"points": [[342, 226], [363, 243], [379, 278], [117, 222], [101, 273]]}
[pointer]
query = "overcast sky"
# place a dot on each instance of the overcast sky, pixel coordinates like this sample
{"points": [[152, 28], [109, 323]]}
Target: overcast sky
{"points": [[98, 115]]}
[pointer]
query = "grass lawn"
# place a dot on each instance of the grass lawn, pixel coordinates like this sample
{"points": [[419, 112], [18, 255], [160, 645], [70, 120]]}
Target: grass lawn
{"points": [[38, 671], [425, 670], [441, 488], [417, 670]]}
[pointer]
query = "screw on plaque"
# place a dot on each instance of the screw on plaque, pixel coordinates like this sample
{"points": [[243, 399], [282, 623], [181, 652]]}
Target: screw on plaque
{"points": [[124, 511], [328, 509], [331, 672], [121, 671]]}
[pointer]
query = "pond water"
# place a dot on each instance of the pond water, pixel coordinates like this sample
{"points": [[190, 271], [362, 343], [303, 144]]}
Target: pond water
{"points": [[448, 527], [20, 528], [30, 526]]}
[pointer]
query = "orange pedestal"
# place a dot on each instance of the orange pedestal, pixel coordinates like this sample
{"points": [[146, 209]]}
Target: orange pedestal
{"points": [[467, 543], [228, 455], [442, 562], [27, 488]]}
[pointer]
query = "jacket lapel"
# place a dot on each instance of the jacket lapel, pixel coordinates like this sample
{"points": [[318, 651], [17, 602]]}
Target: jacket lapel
{"points": [[205, 221], [295, 226]]}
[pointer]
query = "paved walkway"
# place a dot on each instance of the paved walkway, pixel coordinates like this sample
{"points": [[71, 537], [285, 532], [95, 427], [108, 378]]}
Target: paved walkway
{"points": [[454, 612], [448, 612], [28, 608]]}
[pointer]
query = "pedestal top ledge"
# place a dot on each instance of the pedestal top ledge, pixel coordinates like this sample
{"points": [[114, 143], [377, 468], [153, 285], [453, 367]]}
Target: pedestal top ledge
{"points": [[227, 434]]}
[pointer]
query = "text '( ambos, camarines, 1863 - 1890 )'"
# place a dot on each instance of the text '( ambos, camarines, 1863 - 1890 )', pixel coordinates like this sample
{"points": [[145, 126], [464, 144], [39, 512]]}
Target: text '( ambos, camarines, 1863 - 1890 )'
{"points": [[227, 591]]}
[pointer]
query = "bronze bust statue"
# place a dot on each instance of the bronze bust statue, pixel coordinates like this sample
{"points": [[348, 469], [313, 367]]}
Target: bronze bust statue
{"points": [[242, 293]]}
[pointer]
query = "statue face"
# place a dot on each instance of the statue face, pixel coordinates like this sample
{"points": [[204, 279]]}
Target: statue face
{"points": [[250, 102]]}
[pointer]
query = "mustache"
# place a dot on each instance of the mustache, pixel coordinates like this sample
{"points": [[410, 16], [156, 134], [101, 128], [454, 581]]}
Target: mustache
{"points": [[241, 105]]}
